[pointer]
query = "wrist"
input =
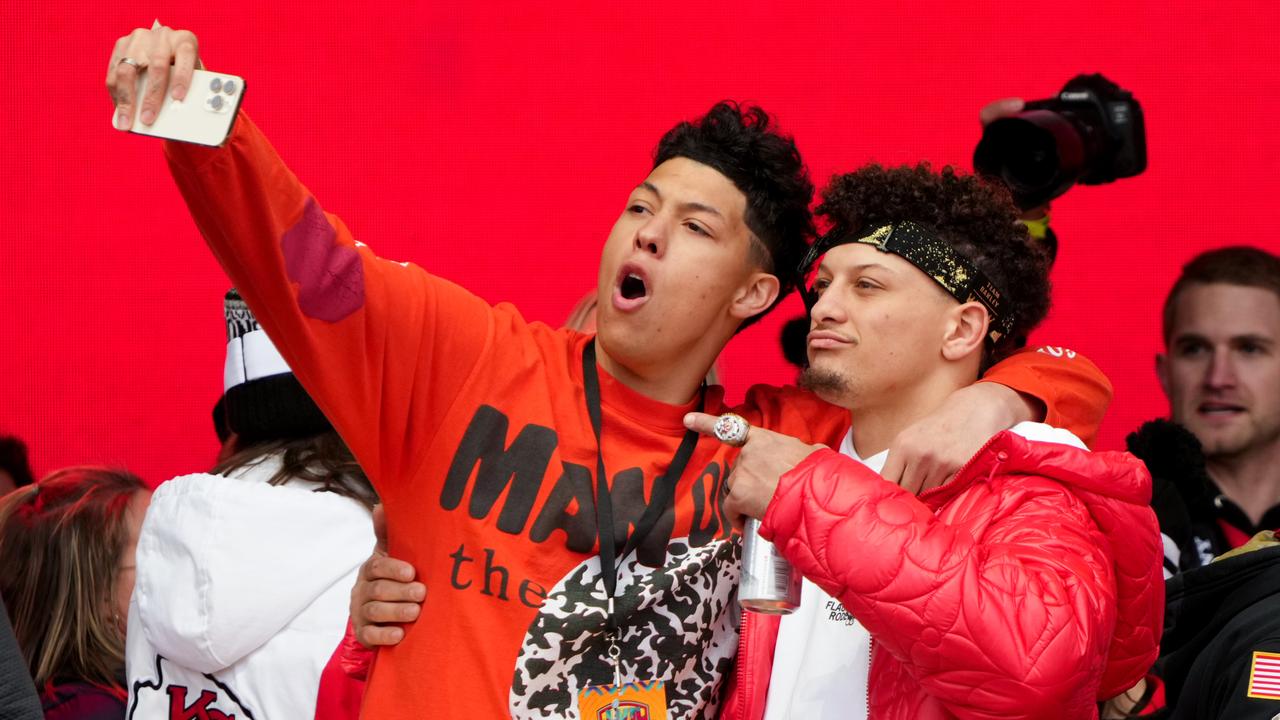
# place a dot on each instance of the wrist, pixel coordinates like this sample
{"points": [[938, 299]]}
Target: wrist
{"points": [[1013, 406]]}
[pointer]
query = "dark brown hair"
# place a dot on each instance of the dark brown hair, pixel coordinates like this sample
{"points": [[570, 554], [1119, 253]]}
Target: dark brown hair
{"points": [[61, 541], [744, 145], [323, 459], [1239, 265]]}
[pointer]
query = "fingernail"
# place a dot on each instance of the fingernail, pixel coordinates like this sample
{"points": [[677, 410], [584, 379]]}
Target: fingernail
{"points": [[419, 593], [122, 120], [148, 117], [179, 92]]}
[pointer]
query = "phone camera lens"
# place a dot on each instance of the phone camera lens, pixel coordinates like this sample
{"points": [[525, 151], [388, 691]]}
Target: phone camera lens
{"points": [[216, 102], [229, 87], [216, 85]]}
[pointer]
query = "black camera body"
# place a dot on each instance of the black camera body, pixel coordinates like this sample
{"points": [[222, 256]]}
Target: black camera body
{"points": [[1093, 132]]}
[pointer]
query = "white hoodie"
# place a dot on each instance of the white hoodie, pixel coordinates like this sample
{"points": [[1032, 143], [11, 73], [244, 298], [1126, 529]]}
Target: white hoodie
{"points": [[241, 596]]}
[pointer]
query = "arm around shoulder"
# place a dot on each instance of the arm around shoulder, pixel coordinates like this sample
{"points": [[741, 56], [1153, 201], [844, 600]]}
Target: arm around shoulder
{"points": [[1073, 392]]}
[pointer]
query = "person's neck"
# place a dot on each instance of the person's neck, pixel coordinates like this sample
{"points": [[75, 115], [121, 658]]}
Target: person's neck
{"points": [[1250, 480], [673, 383], [876, 424]]}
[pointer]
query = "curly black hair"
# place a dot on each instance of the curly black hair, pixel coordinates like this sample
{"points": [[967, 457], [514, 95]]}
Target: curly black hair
{"points": [[977, 218], [745, 146]]}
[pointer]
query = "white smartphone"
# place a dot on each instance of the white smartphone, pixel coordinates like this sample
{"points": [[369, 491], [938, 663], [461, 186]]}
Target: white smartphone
{"points": [[204, 117]]}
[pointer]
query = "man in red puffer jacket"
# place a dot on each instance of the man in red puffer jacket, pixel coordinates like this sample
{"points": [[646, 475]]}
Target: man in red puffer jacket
{"points": [[1030, 585]]}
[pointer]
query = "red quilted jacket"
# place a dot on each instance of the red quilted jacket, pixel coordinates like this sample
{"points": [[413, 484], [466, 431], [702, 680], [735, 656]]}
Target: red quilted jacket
{"points": [[1028, 587]]}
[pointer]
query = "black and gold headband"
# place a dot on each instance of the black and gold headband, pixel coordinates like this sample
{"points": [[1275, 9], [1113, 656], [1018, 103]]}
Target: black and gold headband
{"points": [[935, 257]]}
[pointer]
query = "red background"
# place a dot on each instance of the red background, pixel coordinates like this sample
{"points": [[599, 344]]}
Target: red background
{"points": [[495, 143]]}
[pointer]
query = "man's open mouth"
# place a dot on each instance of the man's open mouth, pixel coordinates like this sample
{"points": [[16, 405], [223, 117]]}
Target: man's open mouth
{"points": [[631, 289]]}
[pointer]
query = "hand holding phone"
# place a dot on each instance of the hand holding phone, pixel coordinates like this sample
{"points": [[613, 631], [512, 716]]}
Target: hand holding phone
{"points": [[153, 83], [204, 117]]}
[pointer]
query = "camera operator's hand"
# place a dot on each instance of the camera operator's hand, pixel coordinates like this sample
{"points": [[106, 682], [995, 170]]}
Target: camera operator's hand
{"points": [[169, 55], [1008, 107], [996, 109]]}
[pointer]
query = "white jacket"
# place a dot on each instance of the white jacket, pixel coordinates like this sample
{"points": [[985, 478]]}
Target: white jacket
{"points": [[241, 596]]}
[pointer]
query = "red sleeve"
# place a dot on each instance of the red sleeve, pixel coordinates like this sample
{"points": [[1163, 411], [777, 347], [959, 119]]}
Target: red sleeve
{"points": [[1010, 625], [343, 679], [382, 347], [1074, 391]]}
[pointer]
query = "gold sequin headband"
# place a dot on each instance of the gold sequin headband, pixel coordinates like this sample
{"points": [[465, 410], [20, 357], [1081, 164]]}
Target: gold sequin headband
{"points": [[934, 256]]}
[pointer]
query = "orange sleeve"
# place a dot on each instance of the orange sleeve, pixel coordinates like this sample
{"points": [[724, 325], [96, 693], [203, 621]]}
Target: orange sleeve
{"points": [[1074, 391], [382, 347]]}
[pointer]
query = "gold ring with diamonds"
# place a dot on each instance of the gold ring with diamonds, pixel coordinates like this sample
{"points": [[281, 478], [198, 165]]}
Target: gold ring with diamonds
{"points": [[731, 429]]}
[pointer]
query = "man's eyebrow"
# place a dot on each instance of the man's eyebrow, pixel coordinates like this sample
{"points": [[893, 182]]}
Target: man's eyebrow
{"points": [[700, 207], [1252, 338], [856, 268], [684, 206], [1188, 337]]}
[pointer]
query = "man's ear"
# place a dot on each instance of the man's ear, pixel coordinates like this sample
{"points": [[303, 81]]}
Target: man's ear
{"points": [[755, 296], [965, 331], [1162, 372]]}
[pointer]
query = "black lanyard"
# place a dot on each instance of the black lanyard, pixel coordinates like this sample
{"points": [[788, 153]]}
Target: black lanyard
{"points": [[664, 487]]}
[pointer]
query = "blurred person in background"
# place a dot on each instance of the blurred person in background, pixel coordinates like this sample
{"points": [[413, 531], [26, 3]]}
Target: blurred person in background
{"points": [[244, 572], [67, 546], [18, 700], [1221, 373], [1215, 466], [15, 468]]}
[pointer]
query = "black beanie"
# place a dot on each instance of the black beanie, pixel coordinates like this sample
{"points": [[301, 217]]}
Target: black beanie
{"points": [[263, 400]]}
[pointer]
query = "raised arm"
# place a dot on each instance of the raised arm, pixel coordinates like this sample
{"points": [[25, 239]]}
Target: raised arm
{"points": [[383, 347]]}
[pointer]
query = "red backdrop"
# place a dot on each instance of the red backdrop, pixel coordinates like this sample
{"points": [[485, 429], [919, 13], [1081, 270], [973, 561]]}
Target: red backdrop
{"points": [[495, 143]]}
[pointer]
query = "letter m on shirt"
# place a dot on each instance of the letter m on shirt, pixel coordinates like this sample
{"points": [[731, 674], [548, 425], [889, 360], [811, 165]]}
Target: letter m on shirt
{"points": [[521, 466]]}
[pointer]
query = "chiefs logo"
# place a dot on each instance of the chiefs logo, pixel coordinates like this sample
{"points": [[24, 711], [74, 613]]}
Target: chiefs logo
{"points": [[203, 697], [198, 710]]}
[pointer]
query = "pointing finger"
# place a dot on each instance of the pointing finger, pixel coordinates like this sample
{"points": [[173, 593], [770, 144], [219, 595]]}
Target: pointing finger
{"points": [[701, 422]]}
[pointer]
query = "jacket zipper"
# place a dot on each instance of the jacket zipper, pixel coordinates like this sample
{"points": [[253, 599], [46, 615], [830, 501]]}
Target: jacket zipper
{"points": [[871, 653], [743, 695]]}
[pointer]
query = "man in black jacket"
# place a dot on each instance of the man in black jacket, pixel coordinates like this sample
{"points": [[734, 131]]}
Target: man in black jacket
{"points": [[1221, 645], [1221, 372], [1216, 484]]}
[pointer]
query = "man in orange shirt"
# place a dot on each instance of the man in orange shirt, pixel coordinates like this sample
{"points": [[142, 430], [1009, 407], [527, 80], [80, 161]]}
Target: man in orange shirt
{"points": [[505, 451]]}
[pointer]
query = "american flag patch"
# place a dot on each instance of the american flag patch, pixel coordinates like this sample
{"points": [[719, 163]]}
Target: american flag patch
{"points": [[1264, 676]]}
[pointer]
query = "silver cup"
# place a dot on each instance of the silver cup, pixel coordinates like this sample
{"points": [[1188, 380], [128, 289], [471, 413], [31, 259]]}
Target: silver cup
{"points": [[769, 584]]}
